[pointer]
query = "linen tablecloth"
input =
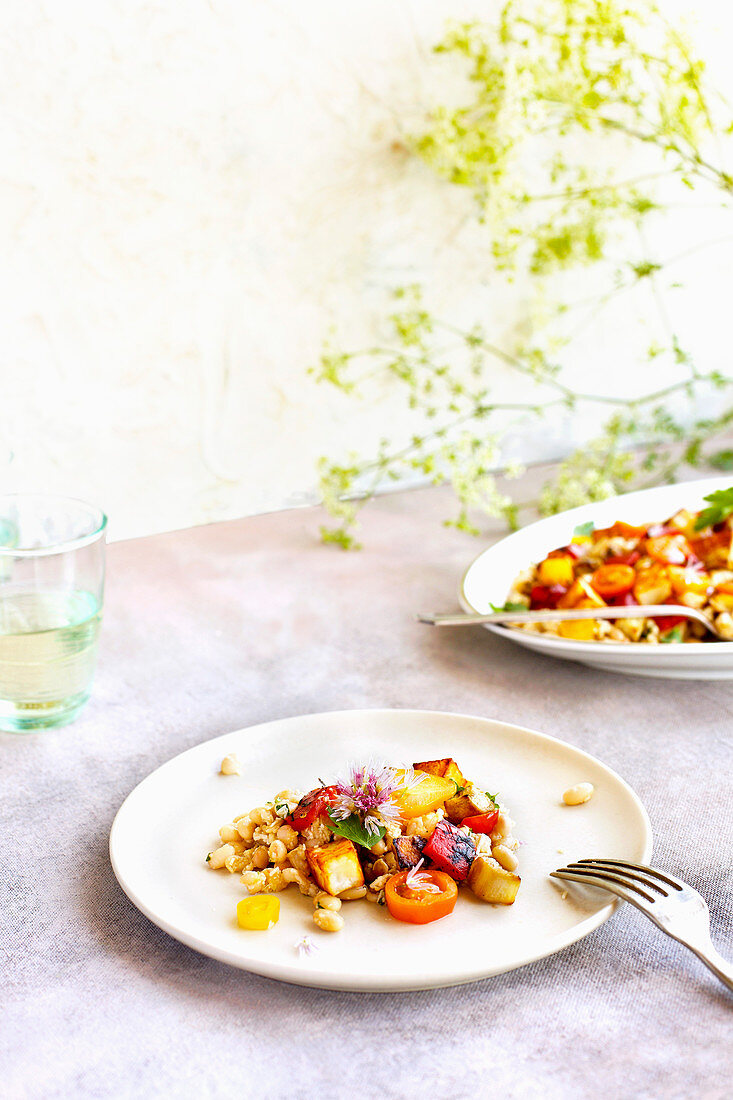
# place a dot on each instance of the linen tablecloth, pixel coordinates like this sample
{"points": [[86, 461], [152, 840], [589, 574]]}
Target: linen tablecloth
{"points": [[220, 627]]}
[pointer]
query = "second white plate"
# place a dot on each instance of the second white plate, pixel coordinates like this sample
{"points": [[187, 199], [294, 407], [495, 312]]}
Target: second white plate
{"points": [[164, 829], [489, 579]]}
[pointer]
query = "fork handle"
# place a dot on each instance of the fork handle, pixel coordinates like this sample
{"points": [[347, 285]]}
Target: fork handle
{"points": [[714, 961]]}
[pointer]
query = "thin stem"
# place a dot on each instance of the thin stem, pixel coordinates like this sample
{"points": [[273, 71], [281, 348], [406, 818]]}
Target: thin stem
{"points": [[578, 395], [582, 192]]}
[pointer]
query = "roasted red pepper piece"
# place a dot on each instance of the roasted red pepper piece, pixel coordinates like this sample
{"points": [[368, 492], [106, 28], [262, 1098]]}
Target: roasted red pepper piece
{"points": [[669, 622], [450, 850], [544, 596], [311, 806], [572, 550], [482, 823], [627, 600], [625, 559]]}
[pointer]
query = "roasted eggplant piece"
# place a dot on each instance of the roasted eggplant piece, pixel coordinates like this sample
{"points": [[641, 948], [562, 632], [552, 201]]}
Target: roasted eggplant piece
{"points": [[450, 850], [472, 800], [492, 883], [408, 850], [459, 807]]}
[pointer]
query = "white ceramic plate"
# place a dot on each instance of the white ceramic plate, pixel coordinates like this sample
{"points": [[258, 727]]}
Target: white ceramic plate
{"points": [[489, 578], [164, 829]]}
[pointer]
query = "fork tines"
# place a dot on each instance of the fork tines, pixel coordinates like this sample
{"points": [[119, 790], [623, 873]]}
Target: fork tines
{"points": [[673, 905], [626, 880]]}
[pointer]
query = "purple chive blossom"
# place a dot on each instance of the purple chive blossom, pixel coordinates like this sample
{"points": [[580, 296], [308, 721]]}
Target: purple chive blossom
{"points": [[369, 791], [305, 947], [420, 881]]}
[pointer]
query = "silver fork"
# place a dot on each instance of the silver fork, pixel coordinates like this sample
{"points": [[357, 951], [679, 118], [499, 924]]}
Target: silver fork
{"points": [[548, 615], [673, 905]]}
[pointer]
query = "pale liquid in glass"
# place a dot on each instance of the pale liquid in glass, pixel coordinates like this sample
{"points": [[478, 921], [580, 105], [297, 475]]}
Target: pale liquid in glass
{"points": [[48, 651]]}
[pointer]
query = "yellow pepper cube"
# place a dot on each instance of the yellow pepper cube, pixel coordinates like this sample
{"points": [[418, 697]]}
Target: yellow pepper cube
{"points": [[258, 913], [580, 630], [556, 571]]}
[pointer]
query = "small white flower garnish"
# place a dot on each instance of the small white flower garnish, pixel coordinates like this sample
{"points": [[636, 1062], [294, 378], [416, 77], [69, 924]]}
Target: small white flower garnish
{"points": [[418, 880], [305, 947]]}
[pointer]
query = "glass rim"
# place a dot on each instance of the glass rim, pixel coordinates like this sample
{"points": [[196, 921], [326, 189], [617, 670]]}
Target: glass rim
{"points": [[65, 545]]}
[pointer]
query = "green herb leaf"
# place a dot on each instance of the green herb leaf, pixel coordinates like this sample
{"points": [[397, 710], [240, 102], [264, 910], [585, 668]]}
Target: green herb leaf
{"points": [[510, 606], [722, 460], [493, 797], [352, 828], [282, 809], [673, 635], [721, 506], [585, 528], [208, 857], [459, 790]]}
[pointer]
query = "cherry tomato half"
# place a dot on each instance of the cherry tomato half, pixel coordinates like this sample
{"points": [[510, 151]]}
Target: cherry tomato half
{"points": [[669, 549], [613, 580], [416, 905], [311, 806]]}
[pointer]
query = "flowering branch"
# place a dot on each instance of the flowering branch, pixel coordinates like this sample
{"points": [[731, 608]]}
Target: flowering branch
{"points": [[547, 74]]}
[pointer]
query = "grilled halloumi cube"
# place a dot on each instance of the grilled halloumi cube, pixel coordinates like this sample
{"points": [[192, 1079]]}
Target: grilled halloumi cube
{"points": [[653, 584], [335, 866]]}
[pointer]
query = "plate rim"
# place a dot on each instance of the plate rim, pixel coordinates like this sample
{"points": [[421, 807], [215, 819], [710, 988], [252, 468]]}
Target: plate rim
{"points": [[569, 646], [291, 973]]}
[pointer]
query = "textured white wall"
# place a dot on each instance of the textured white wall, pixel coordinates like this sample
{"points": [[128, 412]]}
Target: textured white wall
{"points": [[190, 194]]}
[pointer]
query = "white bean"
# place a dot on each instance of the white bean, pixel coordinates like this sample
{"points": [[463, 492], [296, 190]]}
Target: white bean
{"points": [[327, 901], [353, 894], [575, 796], [260, 858], [219, 857], [328, 921], [505, 857], [277, 851], [230, 765]]}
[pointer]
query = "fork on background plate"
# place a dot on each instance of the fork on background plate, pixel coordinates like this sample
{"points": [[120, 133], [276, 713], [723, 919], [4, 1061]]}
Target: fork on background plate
{"points": [[668, 901], [551, 615]]}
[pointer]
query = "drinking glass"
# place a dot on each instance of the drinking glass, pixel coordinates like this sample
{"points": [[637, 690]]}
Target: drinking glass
{"points": [[51, 589]]}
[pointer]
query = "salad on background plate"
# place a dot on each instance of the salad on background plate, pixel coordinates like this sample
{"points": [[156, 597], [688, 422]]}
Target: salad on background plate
{"points": [[686, 559]]}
